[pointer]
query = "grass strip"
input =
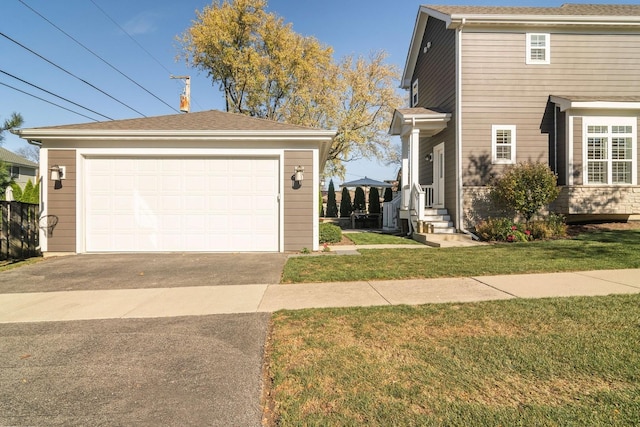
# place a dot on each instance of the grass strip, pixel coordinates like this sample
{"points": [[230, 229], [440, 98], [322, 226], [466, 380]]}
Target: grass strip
{"points": [[378, 239], [550, 362], [590, 251]]}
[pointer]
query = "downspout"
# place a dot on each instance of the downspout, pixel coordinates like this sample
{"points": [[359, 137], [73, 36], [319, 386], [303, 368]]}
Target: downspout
{"points": [[459, 189]]}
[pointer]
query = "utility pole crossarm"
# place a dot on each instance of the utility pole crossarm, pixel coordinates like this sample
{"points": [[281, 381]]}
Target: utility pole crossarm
{"points": [[185, 97]]}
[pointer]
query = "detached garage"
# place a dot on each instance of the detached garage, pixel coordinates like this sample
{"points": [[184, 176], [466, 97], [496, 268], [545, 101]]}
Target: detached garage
{"points": [[198, 182]]}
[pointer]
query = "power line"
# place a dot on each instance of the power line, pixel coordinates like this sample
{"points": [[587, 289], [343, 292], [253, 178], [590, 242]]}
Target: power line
{"points": [[96, 55], [47, 101], [53, 94], [135, 41], [130, 36], [70, 73]]}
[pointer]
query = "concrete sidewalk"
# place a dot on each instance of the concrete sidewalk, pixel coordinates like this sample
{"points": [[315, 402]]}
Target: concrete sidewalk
{"points": [[205, 300]]}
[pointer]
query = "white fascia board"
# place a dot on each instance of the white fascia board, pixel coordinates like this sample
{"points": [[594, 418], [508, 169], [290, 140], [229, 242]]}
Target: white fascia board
{"points": [[555, 20], [566, 104], [416, 39], [402, 125], [70, 134]]}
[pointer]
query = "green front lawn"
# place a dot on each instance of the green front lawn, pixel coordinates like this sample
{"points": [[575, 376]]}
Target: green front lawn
{"points": [[589, 251], [550, 362], [362, 238]]}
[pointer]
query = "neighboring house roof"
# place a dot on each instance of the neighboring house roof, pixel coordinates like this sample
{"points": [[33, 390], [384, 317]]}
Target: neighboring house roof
{"points": [[14, 159], [458, 17]]}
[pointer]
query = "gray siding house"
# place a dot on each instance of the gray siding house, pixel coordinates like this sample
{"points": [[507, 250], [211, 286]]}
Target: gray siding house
{"points": [[200, 182], [494, 86], [21, 169]]}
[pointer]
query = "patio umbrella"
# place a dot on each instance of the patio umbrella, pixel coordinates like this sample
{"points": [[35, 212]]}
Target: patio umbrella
{"points": [[366, 183]]}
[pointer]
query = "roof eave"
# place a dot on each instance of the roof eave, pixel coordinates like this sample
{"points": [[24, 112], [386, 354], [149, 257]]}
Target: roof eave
{"points": [[429, 123], [501, 19], [567, 104], [50, 134]]}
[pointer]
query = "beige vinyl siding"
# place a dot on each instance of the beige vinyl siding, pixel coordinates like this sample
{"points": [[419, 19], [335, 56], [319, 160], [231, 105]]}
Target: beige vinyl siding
{"points": [[436, 73], [298, 203], [62, 202], [499, 88]]}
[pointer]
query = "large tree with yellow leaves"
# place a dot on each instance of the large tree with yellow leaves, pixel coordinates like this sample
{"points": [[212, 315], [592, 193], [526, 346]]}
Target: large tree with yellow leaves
{"points": [[267, 70]]}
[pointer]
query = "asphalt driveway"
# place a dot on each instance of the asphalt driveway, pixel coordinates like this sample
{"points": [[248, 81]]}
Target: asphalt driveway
{"points": [[182, 371], [187, 371], [133, 271]]}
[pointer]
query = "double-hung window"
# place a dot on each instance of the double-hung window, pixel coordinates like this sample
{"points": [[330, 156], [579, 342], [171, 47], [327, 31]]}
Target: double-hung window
{"points": [[503, 144], [538, 48], [610, 147]]}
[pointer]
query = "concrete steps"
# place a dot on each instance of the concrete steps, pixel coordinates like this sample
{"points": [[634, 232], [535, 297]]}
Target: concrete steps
{"points": [[442, 240]]}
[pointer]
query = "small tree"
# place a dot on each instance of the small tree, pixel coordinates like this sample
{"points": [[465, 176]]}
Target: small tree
{"points": [[526, 188], [359, 202], [388, 194], [374, 201], [345, 203], [332, 206]]}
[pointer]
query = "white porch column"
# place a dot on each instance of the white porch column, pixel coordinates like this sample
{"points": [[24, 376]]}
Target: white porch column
{"points": [[404, 178], [414, 157]]}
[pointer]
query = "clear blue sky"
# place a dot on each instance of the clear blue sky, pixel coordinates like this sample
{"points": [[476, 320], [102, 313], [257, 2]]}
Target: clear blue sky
{"points": [[349, 26]]}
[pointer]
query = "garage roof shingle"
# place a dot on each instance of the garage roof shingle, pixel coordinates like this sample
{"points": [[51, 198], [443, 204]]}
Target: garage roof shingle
{"points": [[201, 121], [567, 9]]}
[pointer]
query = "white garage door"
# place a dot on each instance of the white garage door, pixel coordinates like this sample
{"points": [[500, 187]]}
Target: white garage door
{"points": [[181, 204]]}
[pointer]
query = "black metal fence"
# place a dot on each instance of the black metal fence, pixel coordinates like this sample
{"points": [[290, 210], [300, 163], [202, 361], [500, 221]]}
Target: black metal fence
{"points": [[18, 230]]}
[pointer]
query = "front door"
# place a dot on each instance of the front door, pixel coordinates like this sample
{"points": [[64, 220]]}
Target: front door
{"points": [[438, 176]]}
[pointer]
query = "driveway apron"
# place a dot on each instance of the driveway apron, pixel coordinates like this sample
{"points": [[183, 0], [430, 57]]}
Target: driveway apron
{"points": [[150, 270]]}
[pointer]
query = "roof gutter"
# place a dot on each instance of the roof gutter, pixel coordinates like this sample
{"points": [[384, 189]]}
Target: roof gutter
{"points": [[459, 20], [76, 134]]}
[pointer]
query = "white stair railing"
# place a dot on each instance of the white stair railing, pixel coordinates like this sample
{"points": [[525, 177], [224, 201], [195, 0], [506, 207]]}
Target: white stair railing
{"points": [[428, 196], [390, 211]]}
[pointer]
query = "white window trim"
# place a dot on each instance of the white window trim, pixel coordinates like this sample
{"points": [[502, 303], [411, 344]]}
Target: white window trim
{"points": [[494, 145], [547, 48], [610, 121], [414, 93]]}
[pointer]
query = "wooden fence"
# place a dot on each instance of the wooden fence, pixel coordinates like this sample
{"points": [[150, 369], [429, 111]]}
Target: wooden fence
{"points": [[18, 230]]}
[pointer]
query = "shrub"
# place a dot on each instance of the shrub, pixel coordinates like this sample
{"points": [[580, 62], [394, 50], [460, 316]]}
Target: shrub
{"points": [[526, 188], [345, 204], [502, 230], [359, 202], [374, 201], [553, 226], [505, 230], [388, 194], [330, 233], [332, 206]]}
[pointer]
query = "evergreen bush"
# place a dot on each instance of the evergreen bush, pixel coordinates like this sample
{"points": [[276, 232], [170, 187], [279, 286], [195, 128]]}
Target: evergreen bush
{"points": [[374, 201], [332, 206], [388, 194], [345, 204], [330, 233], [359, 202]]}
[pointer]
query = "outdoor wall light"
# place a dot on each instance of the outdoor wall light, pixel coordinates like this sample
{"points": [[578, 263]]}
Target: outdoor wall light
{"points": [[299, 173], [429, 157], [57, 172]]}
